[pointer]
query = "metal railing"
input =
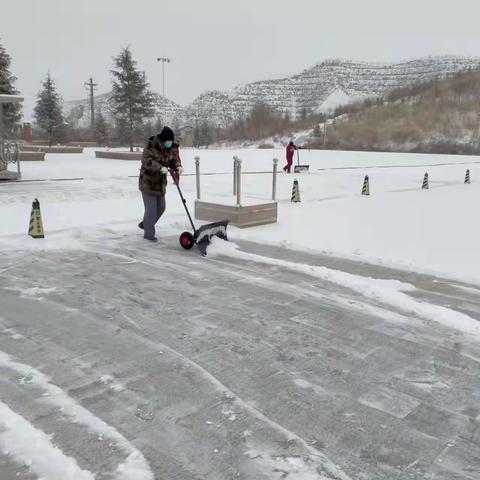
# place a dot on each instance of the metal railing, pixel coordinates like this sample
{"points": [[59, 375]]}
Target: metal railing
{"points": [[9, 155]]}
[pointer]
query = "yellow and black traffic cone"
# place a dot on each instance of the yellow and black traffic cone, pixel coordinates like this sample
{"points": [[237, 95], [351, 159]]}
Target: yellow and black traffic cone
{"points": [[467, 177], [425, 185], [366, 186], [36, 226], [295, 192]]}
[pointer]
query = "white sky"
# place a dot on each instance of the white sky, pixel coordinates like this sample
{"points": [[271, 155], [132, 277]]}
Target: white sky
{"points": [[217, 44]]}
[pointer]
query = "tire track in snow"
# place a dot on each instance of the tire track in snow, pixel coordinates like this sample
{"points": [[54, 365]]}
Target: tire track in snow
{"points": [[135, 466], [387, 292], [29, 446]]}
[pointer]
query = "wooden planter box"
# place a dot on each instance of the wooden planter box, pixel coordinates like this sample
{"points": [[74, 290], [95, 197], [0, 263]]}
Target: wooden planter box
{"points": [[46, 149], [8, 175], [31, 156], [240, 216], [112, 155]]}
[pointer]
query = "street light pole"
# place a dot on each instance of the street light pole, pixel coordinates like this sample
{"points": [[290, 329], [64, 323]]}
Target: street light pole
{"points": [[164, 61]]}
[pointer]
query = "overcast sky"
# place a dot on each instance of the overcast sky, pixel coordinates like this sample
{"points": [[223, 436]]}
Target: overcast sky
{"points": [[217, 44]]}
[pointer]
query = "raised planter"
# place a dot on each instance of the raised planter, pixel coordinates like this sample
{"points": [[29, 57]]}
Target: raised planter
{"points": [[8, 175], [29, 148], [47, 149], [31, 156], [240, 216], [112, 155], [84, 144]]}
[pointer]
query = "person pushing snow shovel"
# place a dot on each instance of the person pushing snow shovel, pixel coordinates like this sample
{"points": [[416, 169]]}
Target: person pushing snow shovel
{"points": [[159, 156], [291, 147]]}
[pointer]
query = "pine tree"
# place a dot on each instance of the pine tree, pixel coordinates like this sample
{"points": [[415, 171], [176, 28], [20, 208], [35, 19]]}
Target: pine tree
{"points": [[132, 100], [48, 111], [159, 124], [101, 128], [11, 111], [75, 116], [149, 129]]}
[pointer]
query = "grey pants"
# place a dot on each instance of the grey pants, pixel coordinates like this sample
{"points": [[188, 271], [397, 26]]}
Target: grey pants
{"points": [[154, 208]]}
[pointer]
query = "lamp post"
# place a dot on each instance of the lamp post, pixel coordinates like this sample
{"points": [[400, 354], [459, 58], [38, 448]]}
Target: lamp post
{"points": [[164, 61]]}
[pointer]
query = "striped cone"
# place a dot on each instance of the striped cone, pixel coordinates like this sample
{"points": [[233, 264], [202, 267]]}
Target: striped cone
{"points": [[35, 229], [467, 177], [425, 185], [295, 192], [366, 186]]}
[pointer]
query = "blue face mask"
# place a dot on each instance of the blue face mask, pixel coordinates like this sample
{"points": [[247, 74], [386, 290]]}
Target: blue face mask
{"points": [[168, 143]]}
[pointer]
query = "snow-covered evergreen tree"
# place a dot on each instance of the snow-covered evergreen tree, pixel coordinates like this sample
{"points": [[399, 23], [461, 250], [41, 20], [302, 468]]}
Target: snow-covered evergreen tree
{"points": [[11, 111], [132, 101], [101, 128], [159, 124], [48, 111]]}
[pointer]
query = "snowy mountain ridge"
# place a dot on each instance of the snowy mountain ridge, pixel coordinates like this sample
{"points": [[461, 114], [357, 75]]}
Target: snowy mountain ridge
{"points": [[317, 89]]}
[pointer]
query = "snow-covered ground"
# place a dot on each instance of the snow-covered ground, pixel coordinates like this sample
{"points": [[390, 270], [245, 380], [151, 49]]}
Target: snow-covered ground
{"points": [[121, 359], [399, 225]]}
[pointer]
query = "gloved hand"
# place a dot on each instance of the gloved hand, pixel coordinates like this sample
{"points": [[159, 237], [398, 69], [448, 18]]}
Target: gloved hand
{"points": [[180, 170], [164, 170]]}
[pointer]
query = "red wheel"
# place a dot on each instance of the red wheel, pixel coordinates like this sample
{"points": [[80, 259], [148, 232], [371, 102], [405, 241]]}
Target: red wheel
{"points": [[186, 240]]}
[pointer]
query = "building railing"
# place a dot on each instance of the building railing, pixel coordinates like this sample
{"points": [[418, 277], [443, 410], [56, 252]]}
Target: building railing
{"points": [[9, 154]]}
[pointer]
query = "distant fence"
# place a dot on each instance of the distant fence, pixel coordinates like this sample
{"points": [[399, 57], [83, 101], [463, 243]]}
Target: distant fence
{"points": [[9, 154]]}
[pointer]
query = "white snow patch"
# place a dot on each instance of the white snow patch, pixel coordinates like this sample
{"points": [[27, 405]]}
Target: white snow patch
{"points": [[387, 292], [112, 383], [12, 333], [135, 467], [310, 386], [335, 99], [228, 412], [31, 447], [283, 466], [33, 292]]}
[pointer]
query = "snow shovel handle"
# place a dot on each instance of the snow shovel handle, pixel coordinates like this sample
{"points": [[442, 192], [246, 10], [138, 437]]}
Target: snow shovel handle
{"points": [[172, 173]]}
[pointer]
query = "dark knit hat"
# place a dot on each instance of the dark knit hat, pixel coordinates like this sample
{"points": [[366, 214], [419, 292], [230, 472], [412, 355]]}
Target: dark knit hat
{"points": [[166, 134]]}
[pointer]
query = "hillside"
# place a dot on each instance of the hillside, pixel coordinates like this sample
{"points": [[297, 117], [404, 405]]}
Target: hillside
{"points": [[435, 117], [317, 89]]}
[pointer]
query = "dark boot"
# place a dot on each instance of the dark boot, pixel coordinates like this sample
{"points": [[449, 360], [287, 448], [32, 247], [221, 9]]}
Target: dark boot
{"points": [[151, 239]]}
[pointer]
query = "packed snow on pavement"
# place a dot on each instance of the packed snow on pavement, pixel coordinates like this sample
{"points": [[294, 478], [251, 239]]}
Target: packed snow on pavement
{"points": [[398, 225], [342, 342]]}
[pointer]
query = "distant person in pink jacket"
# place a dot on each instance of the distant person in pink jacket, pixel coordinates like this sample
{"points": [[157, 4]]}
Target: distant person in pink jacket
{"points": [[291, 147]]}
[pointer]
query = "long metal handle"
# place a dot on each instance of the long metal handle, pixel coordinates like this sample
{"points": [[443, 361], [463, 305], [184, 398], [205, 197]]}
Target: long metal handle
{"points": [[235, 159], [183, 199], [274, 181], [197, 175], [239, 182]]}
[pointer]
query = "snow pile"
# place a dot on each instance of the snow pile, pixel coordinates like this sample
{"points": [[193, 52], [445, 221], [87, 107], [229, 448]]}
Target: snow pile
{"points": [[386, 292], [134, 468], [111, 382], [283, 466], [34, 449]]}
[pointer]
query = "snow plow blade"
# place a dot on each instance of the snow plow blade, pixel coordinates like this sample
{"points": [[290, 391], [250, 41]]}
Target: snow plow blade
{"points": [[205, 233]]}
